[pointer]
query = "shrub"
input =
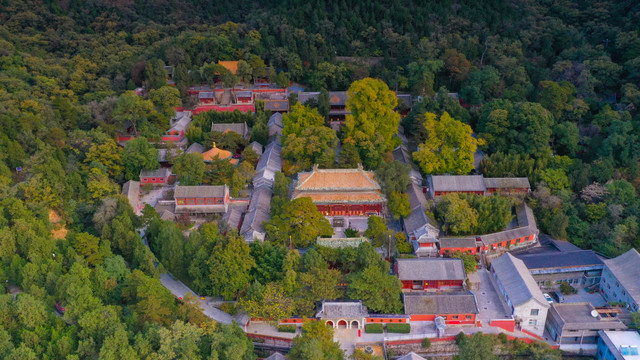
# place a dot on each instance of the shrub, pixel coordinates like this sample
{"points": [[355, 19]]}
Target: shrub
{"points": [[229, 308], [373, 329], [287, 328], [503, 338], [567, 289], [399, 328], [426, 343], [349, 232], [460, 338]]}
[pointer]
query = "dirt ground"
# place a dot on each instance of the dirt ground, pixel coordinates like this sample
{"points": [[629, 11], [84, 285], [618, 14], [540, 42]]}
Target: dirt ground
{"points": [[59, 230]]}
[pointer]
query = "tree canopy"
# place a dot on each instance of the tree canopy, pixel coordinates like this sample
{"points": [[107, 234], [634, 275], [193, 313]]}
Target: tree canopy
{"points": [[449, 147]]}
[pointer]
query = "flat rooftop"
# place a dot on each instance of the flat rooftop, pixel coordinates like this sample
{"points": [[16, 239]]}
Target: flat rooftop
{"points": [[627, 343]]}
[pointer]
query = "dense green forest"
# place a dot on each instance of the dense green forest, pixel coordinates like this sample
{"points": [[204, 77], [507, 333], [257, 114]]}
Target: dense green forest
{"points": [[552, 87]]}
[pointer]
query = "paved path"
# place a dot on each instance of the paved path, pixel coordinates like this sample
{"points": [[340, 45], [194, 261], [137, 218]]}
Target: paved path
{"points": [[179, 289], [491, 303]]}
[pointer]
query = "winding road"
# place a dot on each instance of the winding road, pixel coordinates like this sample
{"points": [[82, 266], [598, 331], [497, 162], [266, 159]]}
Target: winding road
{"points": [[179, 289]]}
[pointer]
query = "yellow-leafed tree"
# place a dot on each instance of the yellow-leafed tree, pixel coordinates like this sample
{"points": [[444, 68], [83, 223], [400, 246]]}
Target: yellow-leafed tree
{"points": [[449, 147], [373, 121]]}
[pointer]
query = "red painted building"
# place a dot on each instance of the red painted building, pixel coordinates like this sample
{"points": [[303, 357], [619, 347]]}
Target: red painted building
{"points": [[243, 97], [507, 186], [449, 246], [430, 274], [159, 176], [341, 192], [439, 185], [201, 200], [525, 232], [455, 308], [337, 109], [178, 126], [207, 97]]}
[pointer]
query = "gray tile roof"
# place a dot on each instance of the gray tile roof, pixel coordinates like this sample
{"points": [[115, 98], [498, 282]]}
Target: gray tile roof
{"points": [[165, 205], [166, 155], [276, 105], [411, 356], [161, 172], [457, 183], [206, 95], [440, 304], [562, 245], [238, 128], [259, 211], [200, 191], [406, 99], [416, 195], [261, 199], [526, 227], [415, 176], [626, 269], [168, 215], [180, 122], [233, 218], [269, 163], [276, 356], [243, 93], [457, 242], [275, 120], [551, 260], [338, 98], [516, 280], [257, 147], [401, 153], [338, 309], [507, 183], [303, 97], [196, 148], [131, 189], [253, 221], [417, 221], [430, 269]]}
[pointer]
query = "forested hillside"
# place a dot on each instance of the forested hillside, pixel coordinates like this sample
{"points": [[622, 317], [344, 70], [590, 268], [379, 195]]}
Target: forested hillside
{"points": [[551, 87]]}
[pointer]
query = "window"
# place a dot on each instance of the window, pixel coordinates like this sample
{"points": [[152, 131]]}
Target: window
{"points": [[533, 322], [624, 350], [454, 317], [220, 201], [180, 201], [534, 312], [468, 317]]}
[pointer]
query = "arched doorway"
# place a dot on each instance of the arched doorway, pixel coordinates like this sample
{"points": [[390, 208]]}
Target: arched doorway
{"points": [[329, 323], [342, 324], [355, 324]]}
